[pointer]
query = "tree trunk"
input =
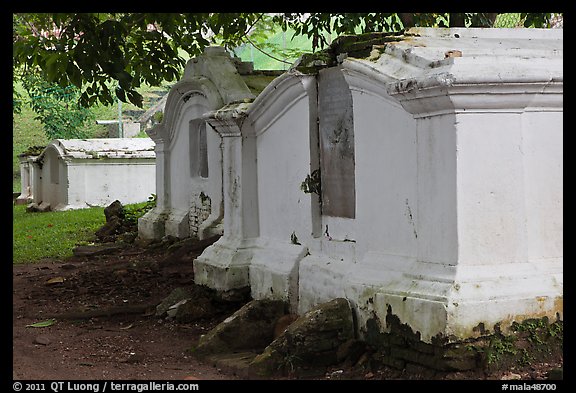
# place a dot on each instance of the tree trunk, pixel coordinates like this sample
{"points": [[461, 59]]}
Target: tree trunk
{"points": [[407, 20], [491, 17], [457, 20]]}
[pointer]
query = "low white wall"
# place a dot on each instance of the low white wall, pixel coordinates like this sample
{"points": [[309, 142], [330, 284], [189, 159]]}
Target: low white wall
{"points": [[101, 182]]}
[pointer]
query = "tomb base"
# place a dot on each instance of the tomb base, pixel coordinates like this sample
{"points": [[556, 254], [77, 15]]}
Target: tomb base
{"points": [[274, 272], [224, 266], [436, 301], [177, 224], [151, 225]]}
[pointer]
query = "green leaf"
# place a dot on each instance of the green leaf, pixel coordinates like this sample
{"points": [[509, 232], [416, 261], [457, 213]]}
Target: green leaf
{"points": [[121, 94], [124, 79], [74, 74], [52, 58], [46, 323], [135, 97]]}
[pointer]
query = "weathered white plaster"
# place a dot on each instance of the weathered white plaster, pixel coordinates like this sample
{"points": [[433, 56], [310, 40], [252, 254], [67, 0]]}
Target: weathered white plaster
{"points": [[224, 265], [457, 176], [235, 258], [191, 204], [27, 177], [282, 116], [79, 173], [470, 196]]}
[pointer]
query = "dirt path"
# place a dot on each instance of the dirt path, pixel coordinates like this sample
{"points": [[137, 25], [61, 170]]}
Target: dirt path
{"points": [[135, 345], [105, 325]]}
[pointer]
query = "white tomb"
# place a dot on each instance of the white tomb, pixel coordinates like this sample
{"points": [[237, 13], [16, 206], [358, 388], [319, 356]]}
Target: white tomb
{"points": [[80, 173], [26, 179], [440, 160], [190, 152]]}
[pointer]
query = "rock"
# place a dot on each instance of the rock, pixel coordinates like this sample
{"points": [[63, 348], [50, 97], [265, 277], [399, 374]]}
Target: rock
{"points": [[116, 225], [42, 340], [336, 374], [194, 310], [364, 358], [351, 351], [101, 249], [510, 377], [128, 237], [38, 208], [177, 295], [186, 250], [55, 280], [282, 324], [110, 229], [268, 363], [235, 295], [556, 374], [143, 243], [168, 240], [312, 340], [180, 245], [132, 358], [249, 328], [115, 209], [44, 207]]}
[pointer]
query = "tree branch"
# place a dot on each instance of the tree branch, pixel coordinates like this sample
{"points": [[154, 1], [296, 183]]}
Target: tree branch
{"points": [[267, 54]]}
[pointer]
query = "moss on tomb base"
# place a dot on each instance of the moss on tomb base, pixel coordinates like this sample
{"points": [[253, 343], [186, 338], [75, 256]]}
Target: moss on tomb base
{"points": [[247, 344], [528, 341]]}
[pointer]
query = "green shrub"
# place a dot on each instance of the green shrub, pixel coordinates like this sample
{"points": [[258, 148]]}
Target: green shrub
{"points": [[133, 212]]}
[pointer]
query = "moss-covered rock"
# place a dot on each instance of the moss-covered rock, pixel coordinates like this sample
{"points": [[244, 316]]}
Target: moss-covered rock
{"points": [[249, 328], [314, 339], [177, 295], [32, 151], [360, 45], [311, 63]]}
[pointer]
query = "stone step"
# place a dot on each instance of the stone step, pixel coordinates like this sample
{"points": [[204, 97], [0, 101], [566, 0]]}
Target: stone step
{"points": [[237, 363]]}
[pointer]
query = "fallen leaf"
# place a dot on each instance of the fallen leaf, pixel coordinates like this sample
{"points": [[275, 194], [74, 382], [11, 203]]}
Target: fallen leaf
{"points": [[46, 323], [55, 280], [50, 225], [127, 327]]}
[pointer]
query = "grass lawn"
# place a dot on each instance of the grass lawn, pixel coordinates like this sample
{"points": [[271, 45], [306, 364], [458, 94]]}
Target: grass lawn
{"points": [[52, 234]]}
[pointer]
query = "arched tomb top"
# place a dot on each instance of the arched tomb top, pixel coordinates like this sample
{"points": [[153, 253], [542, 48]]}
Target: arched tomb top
{"points": [[217, 65], [212, 78], [102, 148]]}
